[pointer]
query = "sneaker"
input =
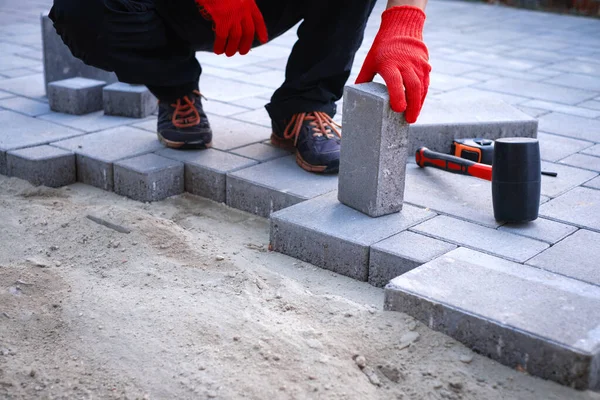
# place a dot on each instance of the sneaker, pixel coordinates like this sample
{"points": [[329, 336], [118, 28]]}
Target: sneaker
{"points": [[183, 124], [315, 137]]}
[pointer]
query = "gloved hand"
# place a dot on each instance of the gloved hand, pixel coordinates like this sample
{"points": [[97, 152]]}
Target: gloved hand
{"points": [[399, 55], [236, 23]]}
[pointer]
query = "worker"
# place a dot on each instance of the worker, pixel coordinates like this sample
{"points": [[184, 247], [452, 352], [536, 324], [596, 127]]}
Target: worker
{"points": [[153, 42]]}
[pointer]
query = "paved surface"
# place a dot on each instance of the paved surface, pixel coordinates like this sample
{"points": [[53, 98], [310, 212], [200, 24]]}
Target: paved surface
{"points": [[546, 65]]}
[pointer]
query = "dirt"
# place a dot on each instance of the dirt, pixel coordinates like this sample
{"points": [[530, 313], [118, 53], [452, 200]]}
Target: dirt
{"points": [[191, 305]]}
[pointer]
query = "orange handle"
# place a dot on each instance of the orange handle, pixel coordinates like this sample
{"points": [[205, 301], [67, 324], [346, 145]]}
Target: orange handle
{"points": [[457, 165]]}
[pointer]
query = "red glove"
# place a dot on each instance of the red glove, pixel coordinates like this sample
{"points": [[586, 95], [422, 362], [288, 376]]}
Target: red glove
{"points": [[399, 55], [236, 23]]}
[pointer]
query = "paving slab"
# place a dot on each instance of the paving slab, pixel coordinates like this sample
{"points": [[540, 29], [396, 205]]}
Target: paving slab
{"points": [[148, 177], [19, 131], [593, 183], [590, 104], [401, 253], [567, 179], [592, 151], [261, 152], [31, 86], [541, 229], [487, 240], [206, 170], [230, 134], [554, 147], [258, 117], [521, 316], [563, 108], [75, 96], [579, 207], [23, 105], [579, 81], [444, 118], [222, 109], [489, 59], [583, 161], [274, 185], [97, 152], [228, 90], [42, 165], [125, 100], [473, 93], [533, 112], [537, 90], [571, 126], [575, 257], [589, 68], [330, 235], [93, 122]]}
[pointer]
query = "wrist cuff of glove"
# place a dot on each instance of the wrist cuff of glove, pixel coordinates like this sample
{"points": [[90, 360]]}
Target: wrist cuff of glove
{"points": [[404, 21]]}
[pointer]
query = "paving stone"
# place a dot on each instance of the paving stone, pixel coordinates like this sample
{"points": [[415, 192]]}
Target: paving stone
{"points": [[575, 257], [274, 185], [228, 90], [330, 235], [149, 124], [206, 170], [401, 253], [372, 181], [538, 55], [562, 108], [31, 86], [578, 81], [541, 229], [572, 126], [579, 207], [591, 104], [593, 183], [252, 103], [493, 60], [451, 67], [568, 178], [261, 152], [75, 96], [25, 106], [554, 147], [97, 152], [90, 122], [9, 61], [583, 161], [532, 112], [521, 316], [230, 134], [223, 109], [125, 100], [148, 177], [471, 93], [5, 95], [19, 131], [481, 238], [42, 165], [592, 151], [444, 118], [444, 82], [270, 78], [480, 76], [258, 117], [60, 64], [538, 90], [18, 72]]}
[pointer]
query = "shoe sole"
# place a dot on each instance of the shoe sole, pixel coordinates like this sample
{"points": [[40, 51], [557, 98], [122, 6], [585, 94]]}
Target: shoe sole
{"points": [[183, 145], [288, 144]]}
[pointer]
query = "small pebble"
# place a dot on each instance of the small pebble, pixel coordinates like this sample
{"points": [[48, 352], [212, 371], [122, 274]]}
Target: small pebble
{"points": [[437, 384], [219, 258], [360, 361], [466, 358]]}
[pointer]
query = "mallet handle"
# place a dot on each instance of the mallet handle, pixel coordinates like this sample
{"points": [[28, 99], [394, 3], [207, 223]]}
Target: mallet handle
{"points": [[457, 165]]}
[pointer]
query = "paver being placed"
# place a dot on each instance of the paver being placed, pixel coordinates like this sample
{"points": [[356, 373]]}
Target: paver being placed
{"points": [[96, 152], [583, 161], [401, 253], [330, 235], [148, 177], [567, 178], [477, 237], [75, 96], [521, 316], [19, 131], [42, 165], [206, 170], [575, 257], [125, 100], [579, 207], [261, 152], [541, 229], [444, 118], [274, 185], [372, 181]]}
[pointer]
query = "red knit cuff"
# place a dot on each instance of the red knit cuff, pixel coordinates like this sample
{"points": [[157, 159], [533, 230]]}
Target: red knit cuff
{"points": [[404, 21]]}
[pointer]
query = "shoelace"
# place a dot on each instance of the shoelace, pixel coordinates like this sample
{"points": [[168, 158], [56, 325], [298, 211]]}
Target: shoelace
{"points": [[186, 115], [321, 124]]}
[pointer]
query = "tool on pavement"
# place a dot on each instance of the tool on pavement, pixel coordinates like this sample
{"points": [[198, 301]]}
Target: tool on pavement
{"points": [[516, 176], [476, 149]]}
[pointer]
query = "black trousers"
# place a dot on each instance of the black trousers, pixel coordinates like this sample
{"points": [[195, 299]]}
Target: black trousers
{"points": [[153, 42]]}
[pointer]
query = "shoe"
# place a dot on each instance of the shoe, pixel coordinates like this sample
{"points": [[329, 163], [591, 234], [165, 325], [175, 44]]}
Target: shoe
{"points": [[183, 124], [315, 137]]}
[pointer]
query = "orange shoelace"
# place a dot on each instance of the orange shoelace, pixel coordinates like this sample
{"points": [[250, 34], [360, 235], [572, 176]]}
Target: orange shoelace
{"points": [[186, 115], [321, 124]]}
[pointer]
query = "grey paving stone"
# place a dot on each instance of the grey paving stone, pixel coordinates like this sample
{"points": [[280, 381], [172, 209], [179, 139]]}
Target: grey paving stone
{"points": [[148, 177], [42, 165], [493, 60], [472, 93], [444, 118], [274, 185], [270, 78], [593, 183], [451, 67], [149, 124], [572, 126], [252, 103], [575, 257], [579, 207], [258, 117], [261, 152], [568, 178], [481, 238], [25, 106], [228, 90], [5, 95], [578, 81], [591, 104], [401, 253], [330, 235], [214, 107], [10, 61], [520, 316], [541, 229], [97, 152], [444, 82], [60, 64], [554, 147], [533, 112], [537, 90], [90, 122], [562, 108], [583, 161], [592, 151], [206, 170], [31, 86], [230, 134], [125, 100], [19, 131], [538, 55], [75, 96], [480, 76]]}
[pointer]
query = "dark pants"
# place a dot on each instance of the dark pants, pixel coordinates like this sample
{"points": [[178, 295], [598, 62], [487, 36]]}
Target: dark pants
{"points": [[153, 42]]}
